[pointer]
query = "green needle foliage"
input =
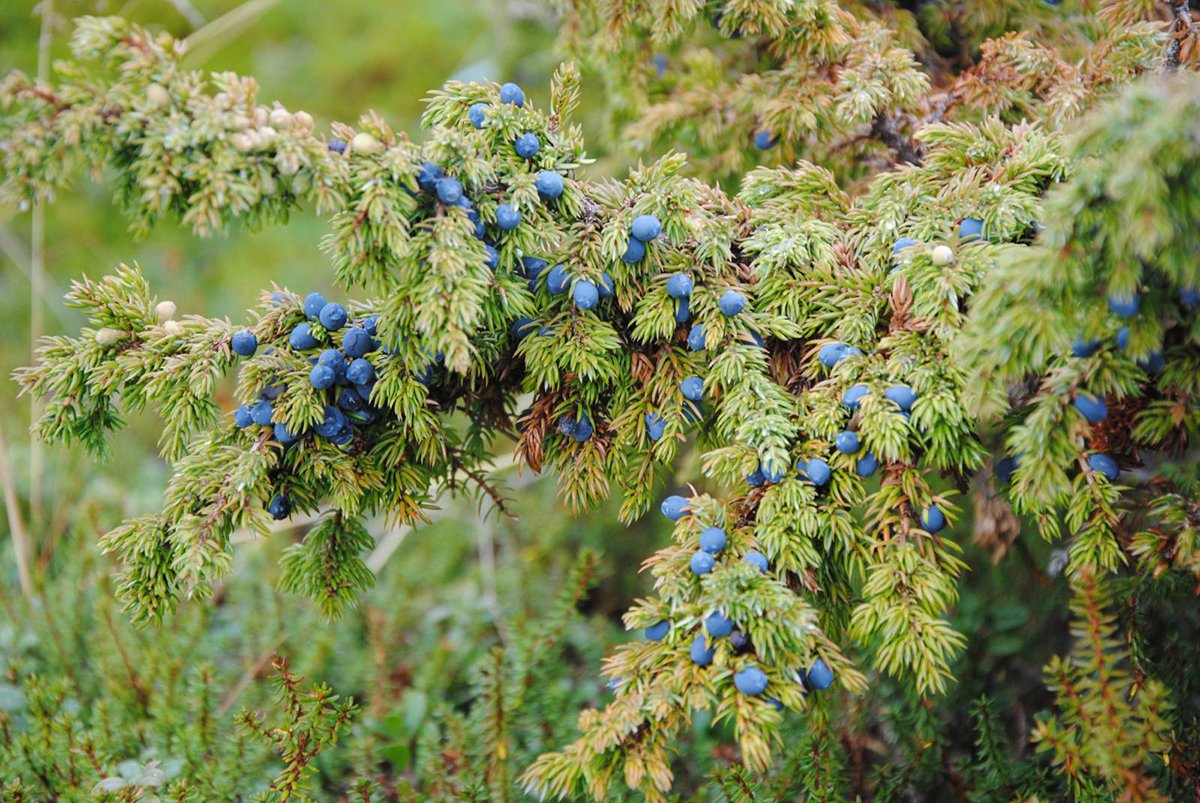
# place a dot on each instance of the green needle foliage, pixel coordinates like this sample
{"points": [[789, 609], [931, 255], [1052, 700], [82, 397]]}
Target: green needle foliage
{"points": [[1042, 190], [1106, 730], [55, 751]]}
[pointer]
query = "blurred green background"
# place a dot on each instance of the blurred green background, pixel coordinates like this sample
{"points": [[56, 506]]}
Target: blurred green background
{"points": [[445, 593]]}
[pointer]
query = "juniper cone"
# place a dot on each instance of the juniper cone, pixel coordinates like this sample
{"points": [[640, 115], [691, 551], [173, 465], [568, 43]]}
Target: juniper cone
{"points": [[549, 184], [718, 625], [713, 540], [313, 304], [819, 676], [657, 632], [866, 465], [683, 310], [527, 145], [477, 114], [1093, 409], [557, 280], [692, 388], [758, 560], [679, 285], [970, 229], [765, 140], [1059, 166], [243, 343], [635, 251], [655, 426], [242, 417], [751, 681], [449, 190], [606, 287], [511, 93]]}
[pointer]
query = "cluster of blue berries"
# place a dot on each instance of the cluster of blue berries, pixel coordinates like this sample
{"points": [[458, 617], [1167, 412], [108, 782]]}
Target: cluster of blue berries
{"points": [[750, 680], [449, 190], [1126, 306], [345, 373], [816, 470], [1093, 409], [645, 229], [577, 426], [848, 442], [712, 540], [730, 304], [692, 390], [585, 294]]}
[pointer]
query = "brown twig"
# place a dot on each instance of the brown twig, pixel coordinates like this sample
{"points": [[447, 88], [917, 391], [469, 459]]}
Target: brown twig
{"points": [[1181, 29], [497, 498], [884, 129], [135, 681], [248, 677]]}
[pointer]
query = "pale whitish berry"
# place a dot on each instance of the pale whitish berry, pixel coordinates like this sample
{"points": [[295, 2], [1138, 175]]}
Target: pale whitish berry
{"points": [[174, 328], [365, 144], [107, 336], [942, 255], [281, 118], [303, 120], [157, 95], [165, 310]]}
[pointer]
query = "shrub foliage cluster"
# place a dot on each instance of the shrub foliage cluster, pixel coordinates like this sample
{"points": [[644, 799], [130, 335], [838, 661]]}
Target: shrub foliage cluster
{"points": [[885, 282]]}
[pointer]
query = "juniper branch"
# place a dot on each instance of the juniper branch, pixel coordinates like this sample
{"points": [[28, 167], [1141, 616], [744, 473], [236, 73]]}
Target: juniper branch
{"points": [[808, 313]]}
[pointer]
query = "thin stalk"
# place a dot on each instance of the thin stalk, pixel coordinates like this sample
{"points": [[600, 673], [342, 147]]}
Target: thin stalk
{"points": [[16, 526], [37, 276]]}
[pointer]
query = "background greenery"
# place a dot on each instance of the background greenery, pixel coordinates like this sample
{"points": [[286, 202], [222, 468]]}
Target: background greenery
{"points": [[416, 654]]}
